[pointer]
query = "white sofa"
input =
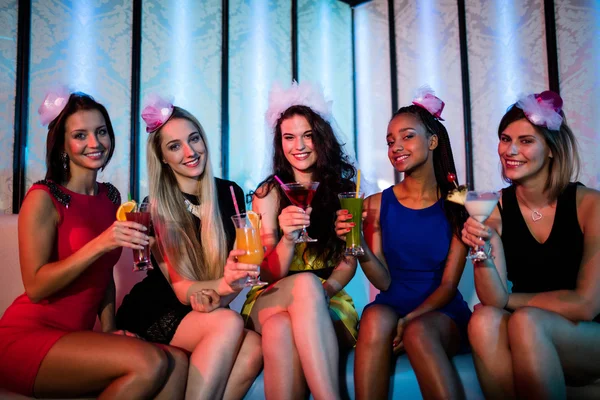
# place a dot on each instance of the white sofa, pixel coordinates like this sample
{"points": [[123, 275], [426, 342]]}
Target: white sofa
{"points": [[403, 383]]}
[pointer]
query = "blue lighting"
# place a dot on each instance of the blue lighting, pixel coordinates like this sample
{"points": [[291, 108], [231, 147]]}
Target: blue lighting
{"points": [[508, 69], [428, 45], [181, 51], [83, 58]]}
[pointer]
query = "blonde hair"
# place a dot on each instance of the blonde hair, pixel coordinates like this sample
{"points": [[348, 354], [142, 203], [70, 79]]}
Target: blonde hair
{"points": [[193, 258]]}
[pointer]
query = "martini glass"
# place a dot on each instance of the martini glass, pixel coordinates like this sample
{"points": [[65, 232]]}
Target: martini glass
{"points": [[480, 205], [301, 194]]}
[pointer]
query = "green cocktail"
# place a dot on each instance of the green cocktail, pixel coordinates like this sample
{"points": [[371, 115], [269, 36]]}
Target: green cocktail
{"points": [[353, 203]]}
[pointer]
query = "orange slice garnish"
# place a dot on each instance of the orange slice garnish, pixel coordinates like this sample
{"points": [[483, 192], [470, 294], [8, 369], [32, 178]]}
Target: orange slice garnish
{"points": [[254, 219], [124, 208]]}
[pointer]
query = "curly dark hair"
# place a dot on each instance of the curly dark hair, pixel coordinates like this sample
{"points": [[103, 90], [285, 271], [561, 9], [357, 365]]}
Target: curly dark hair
{"points": [[443, 163], [55, 143], [333, 171]]}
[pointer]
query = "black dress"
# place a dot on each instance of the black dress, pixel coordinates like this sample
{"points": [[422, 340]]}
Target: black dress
{"points": [[151, 309], [535, 267]]}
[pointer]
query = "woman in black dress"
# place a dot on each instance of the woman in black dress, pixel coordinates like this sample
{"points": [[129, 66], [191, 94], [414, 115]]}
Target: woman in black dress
{"points": [[535, 340], [195, 270]]}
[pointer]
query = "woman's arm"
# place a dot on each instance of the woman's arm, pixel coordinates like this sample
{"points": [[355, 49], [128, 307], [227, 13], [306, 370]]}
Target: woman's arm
{"points": [[279, 252], [341, 276], [490, 275], [583, 303], [373, 261], [227, 287], [106, 312], [38, 221]]}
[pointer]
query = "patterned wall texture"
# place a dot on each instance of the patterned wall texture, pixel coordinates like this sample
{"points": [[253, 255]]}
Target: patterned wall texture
{"points": [[373, 91], [181, 58], [578, 28], [8, 81], [428, 52], [325, 56], [85, 45], [259, 54], [507, 56]]}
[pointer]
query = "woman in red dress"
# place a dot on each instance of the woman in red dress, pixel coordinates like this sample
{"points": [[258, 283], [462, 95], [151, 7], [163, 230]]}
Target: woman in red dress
{"points": [[69, 242]]}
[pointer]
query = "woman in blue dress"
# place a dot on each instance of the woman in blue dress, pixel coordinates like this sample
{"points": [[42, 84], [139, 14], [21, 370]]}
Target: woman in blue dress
{"points": [[415, 257]]}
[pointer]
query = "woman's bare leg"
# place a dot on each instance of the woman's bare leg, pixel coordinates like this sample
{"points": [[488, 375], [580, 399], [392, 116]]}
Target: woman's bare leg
{"points": [[213, 339], [283, 377], [547, 348], [302, 297], [430, 340], [117, 367], [247, 366], [373, 357], [488, 335], [174, 387]]}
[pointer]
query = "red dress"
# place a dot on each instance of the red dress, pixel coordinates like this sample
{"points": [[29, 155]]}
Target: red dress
{"points": [[29, 330]]}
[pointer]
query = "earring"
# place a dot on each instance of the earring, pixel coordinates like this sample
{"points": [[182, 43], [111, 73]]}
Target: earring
{"points": [[65, 160]]}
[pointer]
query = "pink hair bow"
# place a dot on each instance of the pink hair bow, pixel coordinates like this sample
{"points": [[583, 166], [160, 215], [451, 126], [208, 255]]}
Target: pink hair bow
{"points": [[55, 101], [156, 112], [543, 109], [425, 98]]}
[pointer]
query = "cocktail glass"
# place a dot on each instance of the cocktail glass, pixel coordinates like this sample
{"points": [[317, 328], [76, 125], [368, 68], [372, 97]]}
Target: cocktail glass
{"points": [[301, 194], [353, 202], [141, 215], [480, 205], [247, 237]]}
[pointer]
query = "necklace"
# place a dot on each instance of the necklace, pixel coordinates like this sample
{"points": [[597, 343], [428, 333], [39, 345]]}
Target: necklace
{"points": [[536, 214], [194, 209]]}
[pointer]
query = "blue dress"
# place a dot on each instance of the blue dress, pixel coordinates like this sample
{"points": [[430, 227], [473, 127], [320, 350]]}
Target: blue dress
{"points": [[415, 246]]}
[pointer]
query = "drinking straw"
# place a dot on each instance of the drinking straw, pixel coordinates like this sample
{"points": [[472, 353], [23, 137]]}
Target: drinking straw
{"points": [[283, 185], [235, 204], [357, 183]]}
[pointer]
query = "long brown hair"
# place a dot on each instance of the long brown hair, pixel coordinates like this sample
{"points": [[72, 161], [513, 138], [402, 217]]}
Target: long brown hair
{"points": [[55, 143]]}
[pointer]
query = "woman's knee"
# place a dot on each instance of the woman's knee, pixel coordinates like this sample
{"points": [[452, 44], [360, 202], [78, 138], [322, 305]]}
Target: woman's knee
{"points": [[376, 326], [417, 333], [485, 325], [526, 326], [227, 322], [307, 285], [149, 363]]}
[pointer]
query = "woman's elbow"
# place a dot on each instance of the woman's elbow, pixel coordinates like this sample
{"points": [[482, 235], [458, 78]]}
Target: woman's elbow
{"points": [[34, 295], [588, 311]]}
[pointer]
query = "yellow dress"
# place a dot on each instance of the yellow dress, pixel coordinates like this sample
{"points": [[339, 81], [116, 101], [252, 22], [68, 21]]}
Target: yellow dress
{"points": [[341, 304]]}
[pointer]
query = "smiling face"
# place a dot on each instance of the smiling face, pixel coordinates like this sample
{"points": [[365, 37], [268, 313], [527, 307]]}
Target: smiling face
{"points": [[409, 144], [297, 143], [87, 141], [523, 152], [183, 150]]}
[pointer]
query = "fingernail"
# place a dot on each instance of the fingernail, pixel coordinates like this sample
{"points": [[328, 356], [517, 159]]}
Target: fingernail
{"points": [[204, 291], [353, 224]]}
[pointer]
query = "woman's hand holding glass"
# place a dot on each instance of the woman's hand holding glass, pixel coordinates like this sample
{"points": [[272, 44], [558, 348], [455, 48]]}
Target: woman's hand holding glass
{"points": [[123, 234], [341, 226], [475, 234], [235, 273], [291, 221]]}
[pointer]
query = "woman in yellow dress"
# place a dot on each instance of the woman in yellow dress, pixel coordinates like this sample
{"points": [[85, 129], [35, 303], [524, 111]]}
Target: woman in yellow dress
{"points": [[304, 315]]}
